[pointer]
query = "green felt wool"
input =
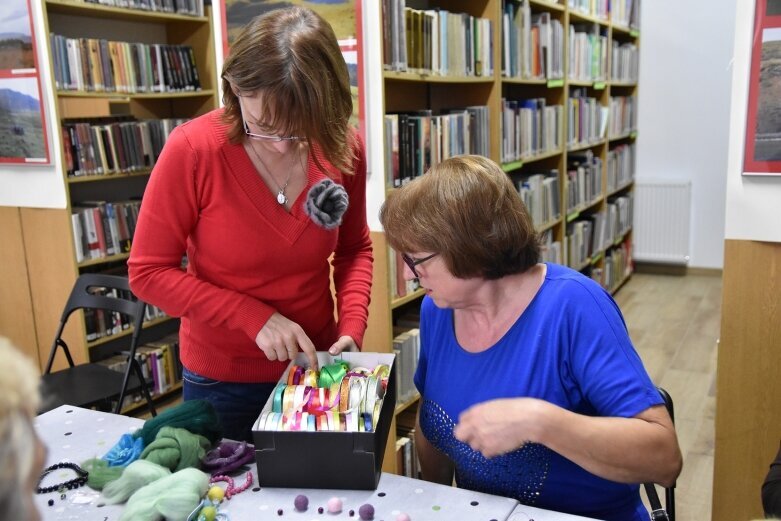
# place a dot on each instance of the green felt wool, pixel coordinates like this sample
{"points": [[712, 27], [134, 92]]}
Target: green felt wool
{"points": [[196, 416], [176, 449], [173, 497], [100, 474], [136, 475]]}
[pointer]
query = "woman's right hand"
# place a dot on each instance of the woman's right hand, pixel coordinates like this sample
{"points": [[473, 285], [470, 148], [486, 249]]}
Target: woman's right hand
{"points": [[281, 338]]}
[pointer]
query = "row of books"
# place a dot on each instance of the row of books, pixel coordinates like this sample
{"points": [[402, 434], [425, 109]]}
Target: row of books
{"points": [[160, 366], [584, 180], [435, 41], [114, 145], [532, 43], [622, 115], [400, 286], [595, 233], [588, 51], [406, 347], [620, 166], [416, 141], [185, 7], [618, 265], [102, 228], [586, 119], [99, 65], [550, 249], [624, 62], [585, 239], [597, 8], [407, 463], [100, 323], [540, 194], [530, 127], [625, 13]]}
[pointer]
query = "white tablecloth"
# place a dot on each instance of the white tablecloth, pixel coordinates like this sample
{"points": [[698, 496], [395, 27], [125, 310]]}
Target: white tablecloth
{"points": [[75, 434]]}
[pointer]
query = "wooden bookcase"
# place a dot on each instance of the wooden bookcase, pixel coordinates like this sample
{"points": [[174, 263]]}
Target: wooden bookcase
{"points": [[48, 233], [408, 91]]}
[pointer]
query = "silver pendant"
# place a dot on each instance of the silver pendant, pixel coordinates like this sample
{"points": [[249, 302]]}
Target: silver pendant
{"points": [[281, 197]]}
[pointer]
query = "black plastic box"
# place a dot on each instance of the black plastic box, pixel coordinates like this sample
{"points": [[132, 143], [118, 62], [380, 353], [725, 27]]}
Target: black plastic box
{"points": [[335, 460]]}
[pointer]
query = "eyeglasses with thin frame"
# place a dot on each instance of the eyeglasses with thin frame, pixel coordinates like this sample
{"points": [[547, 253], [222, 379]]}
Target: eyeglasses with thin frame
{"points": [[264, 137], [272, 139], [411, 263]]}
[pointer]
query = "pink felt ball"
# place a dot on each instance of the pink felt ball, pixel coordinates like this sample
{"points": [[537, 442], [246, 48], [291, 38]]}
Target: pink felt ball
{"points": [[403, 517], [334, 505]]}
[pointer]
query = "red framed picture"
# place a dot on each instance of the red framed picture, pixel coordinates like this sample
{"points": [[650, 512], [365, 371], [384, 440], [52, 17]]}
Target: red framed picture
{"points": [[345, 16], [762, 154], [22, 123]]}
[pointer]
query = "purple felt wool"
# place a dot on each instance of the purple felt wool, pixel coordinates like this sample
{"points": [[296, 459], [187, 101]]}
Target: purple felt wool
{"points": [[301, 503], [228, 456], [366, 512]]}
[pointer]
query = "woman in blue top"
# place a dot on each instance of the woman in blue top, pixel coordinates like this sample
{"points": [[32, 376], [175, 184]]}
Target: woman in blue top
{"points": [[530, 387]]}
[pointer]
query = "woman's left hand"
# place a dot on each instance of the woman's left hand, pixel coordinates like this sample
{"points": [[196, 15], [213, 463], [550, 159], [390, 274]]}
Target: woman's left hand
{"points": [[498, 426], [345, 343]]}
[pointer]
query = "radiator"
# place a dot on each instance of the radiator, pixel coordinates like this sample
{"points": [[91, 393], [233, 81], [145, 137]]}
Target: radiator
{"points": [[662, 221]]}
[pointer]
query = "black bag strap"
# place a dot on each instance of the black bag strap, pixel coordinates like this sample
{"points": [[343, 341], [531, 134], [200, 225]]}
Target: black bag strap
{"points": [[657, 512]]}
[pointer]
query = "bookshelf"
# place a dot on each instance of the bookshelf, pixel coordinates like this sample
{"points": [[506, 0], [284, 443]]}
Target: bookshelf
{"points": [[127, 75], [563, 128]]}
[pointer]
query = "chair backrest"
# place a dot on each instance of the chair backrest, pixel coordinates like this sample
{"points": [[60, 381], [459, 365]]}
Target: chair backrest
{"points": [[84, 295]]}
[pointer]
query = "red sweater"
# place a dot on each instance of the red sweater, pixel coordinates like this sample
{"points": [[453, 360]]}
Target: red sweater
{"points": [[248, 257]]}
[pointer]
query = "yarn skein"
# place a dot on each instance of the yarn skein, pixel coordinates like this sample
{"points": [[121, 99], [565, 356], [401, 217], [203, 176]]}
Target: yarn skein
{"points": [[136, 475], [176, 449], [196, 416], [173, 497]]}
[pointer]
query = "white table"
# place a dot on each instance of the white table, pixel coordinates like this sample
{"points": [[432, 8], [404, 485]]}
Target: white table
{"points": [[75, 434]]}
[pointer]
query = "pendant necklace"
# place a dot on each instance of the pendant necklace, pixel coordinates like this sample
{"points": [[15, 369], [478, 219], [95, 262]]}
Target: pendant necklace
{"points": [[281, 197]]}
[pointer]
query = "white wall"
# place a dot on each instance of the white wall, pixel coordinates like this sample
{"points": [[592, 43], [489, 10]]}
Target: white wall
{"points": [[374, 105], [752, 202], [37, 186], [684, 100]]}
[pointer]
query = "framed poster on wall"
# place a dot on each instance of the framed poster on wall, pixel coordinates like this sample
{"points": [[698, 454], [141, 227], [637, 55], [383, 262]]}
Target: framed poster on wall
{"points": [[762, 151], [22, 122], [344, 16]]}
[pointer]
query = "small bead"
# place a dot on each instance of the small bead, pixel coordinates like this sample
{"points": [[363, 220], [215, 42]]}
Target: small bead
{"points": [[279, 512], [319, 510], [351, 513], [51, 502]]}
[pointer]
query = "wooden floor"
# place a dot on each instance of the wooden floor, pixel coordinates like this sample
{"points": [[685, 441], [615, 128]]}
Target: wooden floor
{"points": [[674, 323]]}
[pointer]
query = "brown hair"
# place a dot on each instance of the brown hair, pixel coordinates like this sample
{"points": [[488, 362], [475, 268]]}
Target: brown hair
{"points": [[467, 210], [292, 56]]}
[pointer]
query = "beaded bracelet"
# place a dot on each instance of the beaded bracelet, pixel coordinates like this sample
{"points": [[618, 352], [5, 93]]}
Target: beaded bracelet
{"points": [[76, 482], [231, 489]]}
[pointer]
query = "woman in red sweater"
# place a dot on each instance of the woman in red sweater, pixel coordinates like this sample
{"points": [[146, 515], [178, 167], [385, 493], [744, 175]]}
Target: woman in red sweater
{"points": [[259, 196]]}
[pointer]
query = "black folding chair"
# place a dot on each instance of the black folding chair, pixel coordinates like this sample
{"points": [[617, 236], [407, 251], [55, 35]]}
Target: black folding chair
{"points": [[94, 384], [657, 512]]}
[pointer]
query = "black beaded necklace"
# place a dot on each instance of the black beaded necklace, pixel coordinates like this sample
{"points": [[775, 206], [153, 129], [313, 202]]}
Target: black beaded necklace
{"points": [[76, 482]]}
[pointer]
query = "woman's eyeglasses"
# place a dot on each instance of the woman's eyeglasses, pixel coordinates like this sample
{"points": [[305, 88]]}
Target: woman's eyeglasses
{"points": [[271, 138], [414, 262]]}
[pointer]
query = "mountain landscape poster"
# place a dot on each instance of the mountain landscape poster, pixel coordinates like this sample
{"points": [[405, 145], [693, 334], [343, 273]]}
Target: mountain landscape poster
{"points": [[762, 154], [22, 131], [343, 15], [16, 41]]}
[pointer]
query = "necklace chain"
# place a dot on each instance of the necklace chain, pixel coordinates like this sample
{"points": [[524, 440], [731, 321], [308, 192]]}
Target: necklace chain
{"points": [[281, 196]]}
